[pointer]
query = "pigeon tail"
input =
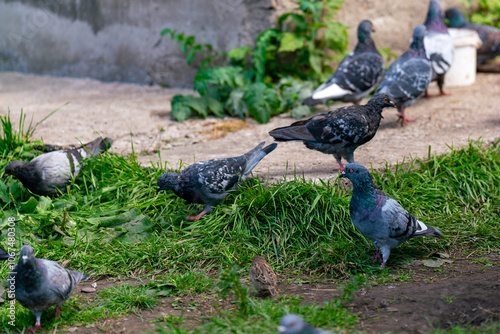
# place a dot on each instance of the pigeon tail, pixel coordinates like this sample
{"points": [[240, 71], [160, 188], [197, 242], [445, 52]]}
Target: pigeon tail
{"points": [[97, 146], [256, 155], [427, 231]]}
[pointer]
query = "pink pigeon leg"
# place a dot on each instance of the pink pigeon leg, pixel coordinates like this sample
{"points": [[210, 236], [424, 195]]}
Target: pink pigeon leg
{"points": [[57, 312], [382, 266], [378, 256], [38, 324], [197, 217], [404, 120]]}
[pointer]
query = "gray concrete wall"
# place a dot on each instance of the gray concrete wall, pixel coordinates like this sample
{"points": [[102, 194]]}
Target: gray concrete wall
{"points": [[119, 40]]}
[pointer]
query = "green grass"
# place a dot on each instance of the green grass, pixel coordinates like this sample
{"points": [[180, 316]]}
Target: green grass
{"points": [[111, 223]]}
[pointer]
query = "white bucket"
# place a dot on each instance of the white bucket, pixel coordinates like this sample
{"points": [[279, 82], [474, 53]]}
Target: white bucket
{"points": [[463, 70]]}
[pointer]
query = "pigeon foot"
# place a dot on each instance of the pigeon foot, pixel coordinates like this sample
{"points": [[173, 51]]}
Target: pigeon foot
{"points": [[57, 312], [377, 256], [405, 120], [197, 217], [382, 266], [35, 328]]}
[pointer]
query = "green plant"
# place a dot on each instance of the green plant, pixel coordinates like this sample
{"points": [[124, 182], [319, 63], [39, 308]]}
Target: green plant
{"points": [[488, 11], [190, 47], [265, 80], [230, 283]]}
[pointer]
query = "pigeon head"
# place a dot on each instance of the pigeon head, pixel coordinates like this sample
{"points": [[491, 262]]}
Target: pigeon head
{"points": [[168, 181], [417, 48], [294, 324], [381, 100], [365, 29], [358, 174], [455, 18], [14, 168], [435, 20], [26, 254]]}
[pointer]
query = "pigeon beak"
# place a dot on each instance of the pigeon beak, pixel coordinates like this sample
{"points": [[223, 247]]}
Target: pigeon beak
{"points": [[158, 190], [393, 104], [5, 176], [25, 258], [342, 174], [281, 329]]}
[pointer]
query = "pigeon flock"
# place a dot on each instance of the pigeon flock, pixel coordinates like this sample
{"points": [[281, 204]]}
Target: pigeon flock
{"points": [[40, 284]]}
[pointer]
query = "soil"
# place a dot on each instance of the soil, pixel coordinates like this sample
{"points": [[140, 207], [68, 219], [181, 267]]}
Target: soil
{"points": [[462, 292], [466, 290]]}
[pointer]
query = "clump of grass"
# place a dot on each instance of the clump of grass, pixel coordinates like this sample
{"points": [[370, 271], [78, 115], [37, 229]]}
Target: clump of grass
{"points": [[125, 298]]}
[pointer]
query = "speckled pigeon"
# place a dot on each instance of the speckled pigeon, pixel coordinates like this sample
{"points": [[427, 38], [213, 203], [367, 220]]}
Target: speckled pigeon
{"points": [[357, 74], [438, 44], [40, 283], [50, 173], [490, 36], [294, 324], [263, 277], [380, 218], [340, 131], [408, 76], [209, 182]]}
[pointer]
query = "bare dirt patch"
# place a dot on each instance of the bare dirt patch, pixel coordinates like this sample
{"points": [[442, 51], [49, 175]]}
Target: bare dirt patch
{"points": [[466, 291]]}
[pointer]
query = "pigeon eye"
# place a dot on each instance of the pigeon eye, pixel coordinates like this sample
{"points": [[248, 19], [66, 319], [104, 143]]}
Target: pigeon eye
{"points": [[292, 324], [163, 183], [385, 99], [351, 171]]}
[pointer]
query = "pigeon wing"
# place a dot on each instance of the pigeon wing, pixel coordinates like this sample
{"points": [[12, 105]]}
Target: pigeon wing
{"points": [[220, 175]]}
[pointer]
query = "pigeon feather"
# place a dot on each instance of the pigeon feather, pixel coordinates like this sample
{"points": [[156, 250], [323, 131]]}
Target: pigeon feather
{"points": [[294, 324]]}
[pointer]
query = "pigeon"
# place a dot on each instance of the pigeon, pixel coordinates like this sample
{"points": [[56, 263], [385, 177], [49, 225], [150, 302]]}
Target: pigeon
{"points": [[340, 131], [209, 182], [380, 218], [40, 283], [50, 173], [490, 36], [408, 76], [294, 324], [263, 277], [438, 44], [357, 74]]}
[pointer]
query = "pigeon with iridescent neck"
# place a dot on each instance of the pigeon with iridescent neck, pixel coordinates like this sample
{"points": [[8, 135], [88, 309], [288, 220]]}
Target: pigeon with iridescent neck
{"points": [[380, 218], [490, 36], [408, 76], [438, 44], [209, 182], [40, 284]]}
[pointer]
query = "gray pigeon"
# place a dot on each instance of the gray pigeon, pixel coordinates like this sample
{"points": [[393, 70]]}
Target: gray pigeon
{"points": [[408, 76], [40, 283], [340, 131], [209, 182], [380, 218], [294, 324], [490, 36], [263, 277], [357, 74], [438, 44], [50, 173]]}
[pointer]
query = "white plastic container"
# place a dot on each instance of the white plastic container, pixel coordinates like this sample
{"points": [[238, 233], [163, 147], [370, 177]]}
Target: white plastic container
{"points": [[463, 70]]}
